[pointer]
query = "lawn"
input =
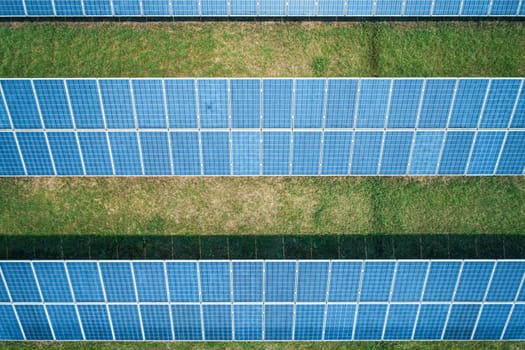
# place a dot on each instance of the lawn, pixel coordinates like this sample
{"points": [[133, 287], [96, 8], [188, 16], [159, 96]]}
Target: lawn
{"points": [[110, 207]]}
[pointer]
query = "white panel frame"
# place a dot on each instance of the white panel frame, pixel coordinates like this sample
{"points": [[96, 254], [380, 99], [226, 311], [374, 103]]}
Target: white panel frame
{"points": [[489, 284], [198, 111], [390, 293], [445, 133], [509, 317], [43, 301], [167, 116], [458, 279], [421, 297], [327, 299], [418, 117], [103, 111], [74, 301], [106, 300], [8, 291], [292, 132], [136, 292], [385, 126], [73, 121], [8, 112], [354, 125], [321, 147], [136, 121]]}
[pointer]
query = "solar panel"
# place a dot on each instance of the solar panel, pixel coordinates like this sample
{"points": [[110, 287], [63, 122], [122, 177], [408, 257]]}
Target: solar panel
{"points": [[188, 127]]}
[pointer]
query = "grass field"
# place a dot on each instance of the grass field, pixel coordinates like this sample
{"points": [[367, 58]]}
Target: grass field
{"points": [[245, 206], [262, 49]]}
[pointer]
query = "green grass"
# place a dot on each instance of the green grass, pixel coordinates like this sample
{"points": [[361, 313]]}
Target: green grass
{"points": [[269, 346], [262, 49], [207, 206]]}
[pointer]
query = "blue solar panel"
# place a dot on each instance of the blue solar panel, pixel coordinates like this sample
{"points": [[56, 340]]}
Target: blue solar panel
{"points": [[278, 322], [39, 7], [506, 281], [65, 153], [53, 103], [214, 7], [246, 103], [4, 297], [276, 153], [53, 281], [10, 329], [68, 7], [367, 149], [97, 7], [441, 281], [400, 322], [519, 115], [21, 104], [461, 321], [180, 99], [306, 146], [243, 8], [373, 103], [34, 322], [404, 106], [330, 8], [359, 8], [436, 103], [309, 103], [504, 7], [186, 322], [309, 322], [216, 153], [35, 153], [312, 281], [474, 280], [4, 118], [336, 153], [277, 103], [431, 321], [396, 152], [149, 103], [491, 322], [418, 7], [64, 321], [246, 153], [513, 158], [377, 280], [126, 7], [500, 103], [118, 281], [185, 151], [280, 281], [468, 103], [410, 277], [185, 8], [248, 322], [247, 281], [156, 322], [217, 322], [10, 163], [388, 7], [182, 281], [446, 7], [475, 7], [11, 8], [456, 152], [370, 322], [125, 320], [85, 103], [213, 103], [215, 281], [155, 8], [426, 152], [340, 103], [339, 322], [272, 7], [96, 153], [301, 8], [125, 151], [20, 281], [516, 326], [151, 284], [344, 281], [85, 281], [118, 107], [95, 322], [485, 153], [155, 153]]}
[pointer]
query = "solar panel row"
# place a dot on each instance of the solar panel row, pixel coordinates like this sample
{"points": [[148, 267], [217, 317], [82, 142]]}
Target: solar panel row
{"points": [[250, 8], [262, 127], [262, 300]]}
